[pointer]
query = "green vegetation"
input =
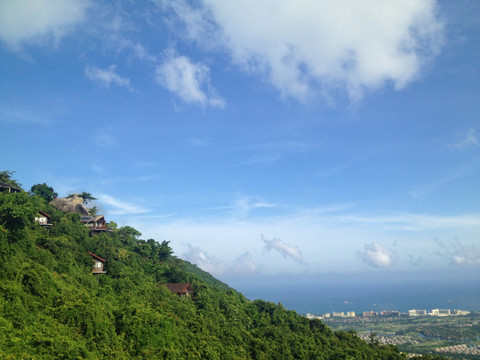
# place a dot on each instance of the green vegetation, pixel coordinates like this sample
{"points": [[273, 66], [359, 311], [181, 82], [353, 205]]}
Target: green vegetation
{"points": [[423, 334], [44, 191], [6, 177], [53, 307]]}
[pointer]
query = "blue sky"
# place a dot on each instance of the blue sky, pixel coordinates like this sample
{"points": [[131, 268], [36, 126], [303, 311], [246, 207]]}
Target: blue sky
{"points": [[262, 138]]}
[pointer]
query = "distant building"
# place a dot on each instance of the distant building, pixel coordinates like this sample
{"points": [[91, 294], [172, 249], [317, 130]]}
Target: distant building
{"points": [[43, 219], [4, 187], [351, 314], [94, 223], [370, 313], [440, 312], [390, 313], [181, 289], [98, 264], [460, 312], [417, 312], [338, 314]]}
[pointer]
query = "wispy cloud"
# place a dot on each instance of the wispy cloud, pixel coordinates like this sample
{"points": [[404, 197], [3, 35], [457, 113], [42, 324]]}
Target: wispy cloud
{"points": [[104, 139], [107, 77], [286, 250], [188, 80], [197, 142], [470, 140], [36, 21], [351, 46], [22, 116], [376, 255], [145, 164], [243, 205], [120, 207]]}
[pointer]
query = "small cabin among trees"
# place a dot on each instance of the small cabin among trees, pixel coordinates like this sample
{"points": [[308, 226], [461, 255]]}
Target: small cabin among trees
{"points": [[43, 219], [94, 223], [98, 264], [181, 289], [8, 188]]}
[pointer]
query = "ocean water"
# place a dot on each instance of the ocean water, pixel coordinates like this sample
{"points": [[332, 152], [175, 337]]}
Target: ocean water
{"points": [[320, 297]]}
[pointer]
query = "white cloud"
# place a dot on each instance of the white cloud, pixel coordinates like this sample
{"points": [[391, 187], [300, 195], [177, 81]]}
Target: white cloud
{"points": [[470, 140], [328, 239], [243, 205], [286, 250], [317, 47], [22, 116], [188, 80], [376, 255], [36, 20], [244, 264], [204, 261], [458, 253], [107, 77], [120, 207]]}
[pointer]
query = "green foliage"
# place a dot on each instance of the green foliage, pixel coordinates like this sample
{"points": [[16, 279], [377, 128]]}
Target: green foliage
{"points": [[44, 191], [6, 177], [53, 307]]}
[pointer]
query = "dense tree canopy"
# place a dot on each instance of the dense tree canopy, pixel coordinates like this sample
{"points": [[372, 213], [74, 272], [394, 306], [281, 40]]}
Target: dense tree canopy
{"points": [[53, 307], [44, 191]]}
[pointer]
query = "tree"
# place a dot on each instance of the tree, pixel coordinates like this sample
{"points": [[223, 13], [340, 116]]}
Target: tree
{"points": [[86, 196], [6, 177], [93, 211], [44, 191]]}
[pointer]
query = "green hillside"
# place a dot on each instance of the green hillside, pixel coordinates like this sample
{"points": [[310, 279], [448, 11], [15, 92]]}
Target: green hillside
{"points": [[53, 307]]}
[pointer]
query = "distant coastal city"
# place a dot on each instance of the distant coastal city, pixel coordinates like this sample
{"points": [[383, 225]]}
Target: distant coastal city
{"points": [[413, 312], [453, 333]]}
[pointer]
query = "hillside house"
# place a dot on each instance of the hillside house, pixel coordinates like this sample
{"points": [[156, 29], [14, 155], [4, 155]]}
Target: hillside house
{"points": [[43, 219], [181, 289], [98, 264], [8, 188], [94, 223]]}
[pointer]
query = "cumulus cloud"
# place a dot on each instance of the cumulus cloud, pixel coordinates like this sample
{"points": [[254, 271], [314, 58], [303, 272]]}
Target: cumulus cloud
{"points": [[120, 207], [313, 46], [286, 250], [467, 256], [204, 261], [244, 264], [37, 20], [376, 255], [470, 140], [107, 76], [188, 80], [458, 253]]}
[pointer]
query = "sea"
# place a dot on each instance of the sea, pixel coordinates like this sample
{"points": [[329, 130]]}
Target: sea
{"points": [[359, 295]]}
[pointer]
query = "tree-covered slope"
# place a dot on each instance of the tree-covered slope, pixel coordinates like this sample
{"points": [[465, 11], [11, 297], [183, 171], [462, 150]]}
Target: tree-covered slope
{"points": [[53, 307]]}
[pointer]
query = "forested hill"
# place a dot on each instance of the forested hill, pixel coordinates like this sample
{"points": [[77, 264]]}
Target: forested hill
{"points": [[53, 307]]}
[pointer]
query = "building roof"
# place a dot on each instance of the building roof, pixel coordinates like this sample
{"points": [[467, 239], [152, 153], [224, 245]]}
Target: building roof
{"points": [[179, 288], [96, 257], [92, 218], [10, 187], [44, 213]]}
